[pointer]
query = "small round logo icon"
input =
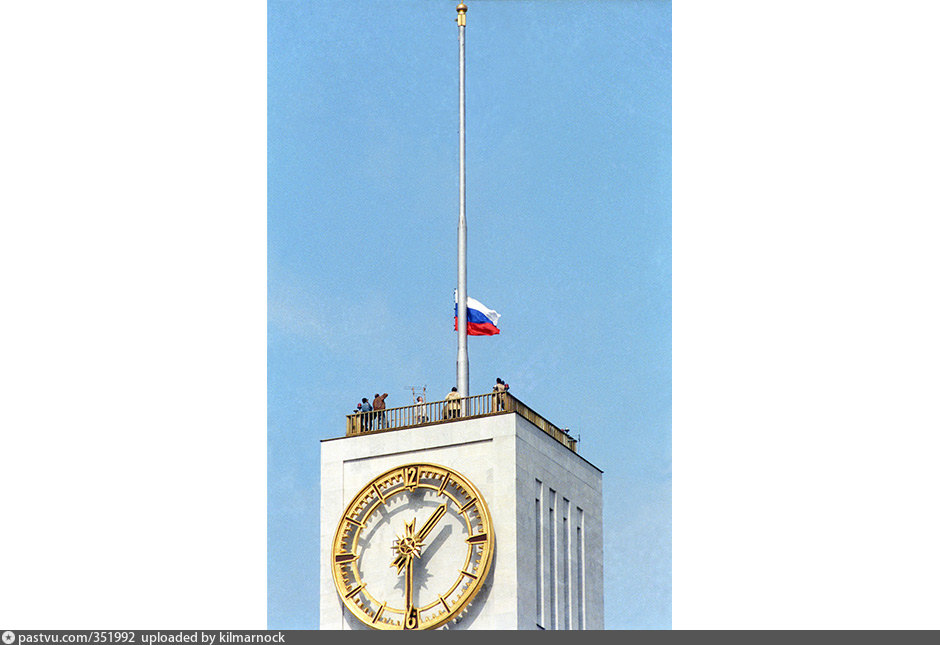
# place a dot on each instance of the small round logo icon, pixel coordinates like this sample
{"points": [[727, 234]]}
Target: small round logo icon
{"points": [[8, 637]]}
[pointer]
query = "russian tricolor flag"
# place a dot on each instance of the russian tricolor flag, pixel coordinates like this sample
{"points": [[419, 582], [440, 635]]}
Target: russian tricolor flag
{"points": [[481, 320]]}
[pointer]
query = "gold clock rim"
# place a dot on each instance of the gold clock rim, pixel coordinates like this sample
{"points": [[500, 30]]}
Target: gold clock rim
{"points": [[452, 612]]}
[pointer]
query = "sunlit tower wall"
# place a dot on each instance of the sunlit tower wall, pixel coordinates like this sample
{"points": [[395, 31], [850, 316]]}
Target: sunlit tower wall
{"points": [[545, 501]]}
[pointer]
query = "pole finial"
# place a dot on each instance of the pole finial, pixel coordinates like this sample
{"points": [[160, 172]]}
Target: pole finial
{"points": [[462, 15]]}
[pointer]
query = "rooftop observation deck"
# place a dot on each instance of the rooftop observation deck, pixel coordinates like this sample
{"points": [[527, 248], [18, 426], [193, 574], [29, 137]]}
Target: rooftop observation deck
{"points": [[434, 412]]}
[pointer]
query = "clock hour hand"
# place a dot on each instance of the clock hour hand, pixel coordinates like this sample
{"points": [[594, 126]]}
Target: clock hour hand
{"points": [[409, 546], [431, 523]]}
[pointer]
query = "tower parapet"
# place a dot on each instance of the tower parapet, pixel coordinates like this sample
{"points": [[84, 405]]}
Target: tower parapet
{"points": [[449, 411]]}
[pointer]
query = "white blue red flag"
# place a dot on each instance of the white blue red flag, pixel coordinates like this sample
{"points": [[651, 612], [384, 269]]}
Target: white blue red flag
{"points": [[481, 320]]}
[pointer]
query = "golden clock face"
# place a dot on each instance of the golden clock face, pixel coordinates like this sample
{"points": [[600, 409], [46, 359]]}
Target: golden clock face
{"points": [[413, 548]]}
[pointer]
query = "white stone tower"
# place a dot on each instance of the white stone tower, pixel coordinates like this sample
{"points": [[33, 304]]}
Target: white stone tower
{"points": [[528, 556]]}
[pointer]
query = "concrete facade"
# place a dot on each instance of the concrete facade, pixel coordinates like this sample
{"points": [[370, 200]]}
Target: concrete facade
{"points": [[545, 502]]}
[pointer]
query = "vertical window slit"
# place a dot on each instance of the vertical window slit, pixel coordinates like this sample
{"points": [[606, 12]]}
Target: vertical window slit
{"points": [[579, 573], [538, 553], [565, 567], [552, 581]]}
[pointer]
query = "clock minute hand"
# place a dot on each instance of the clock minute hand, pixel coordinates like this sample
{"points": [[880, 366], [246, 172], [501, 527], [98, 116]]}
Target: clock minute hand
{"points": [[411, 614]]}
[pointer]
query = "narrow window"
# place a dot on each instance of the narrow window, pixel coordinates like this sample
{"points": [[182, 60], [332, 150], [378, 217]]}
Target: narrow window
{"points": [[552, 609], [579, 573], [565, 566], [538, 552]]}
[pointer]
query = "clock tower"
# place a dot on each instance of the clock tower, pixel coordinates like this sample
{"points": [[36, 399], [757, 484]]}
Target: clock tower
{"points": [[468, 514], [474, 512]]}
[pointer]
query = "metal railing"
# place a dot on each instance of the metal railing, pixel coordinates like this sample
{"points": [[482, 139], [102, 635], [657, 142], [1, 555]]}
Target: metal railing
{"points": [[445, 411]]}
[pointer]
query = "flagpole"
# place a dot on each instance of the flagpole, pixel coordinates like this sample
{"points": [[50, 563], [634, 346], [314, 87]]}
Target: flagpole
{"points": [[463, 358]]}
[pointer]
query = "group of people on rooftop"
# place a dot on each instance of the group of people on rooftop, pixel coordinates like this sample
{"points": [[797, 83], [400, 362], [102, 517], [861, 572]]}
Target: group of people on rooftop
{"points": [[373, 414], [378, 406]]}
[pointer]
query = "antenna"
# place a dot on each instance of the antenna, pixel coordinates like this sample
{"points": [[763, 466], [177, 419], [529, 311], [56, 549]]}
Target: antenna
{"points": [[424, 392]]}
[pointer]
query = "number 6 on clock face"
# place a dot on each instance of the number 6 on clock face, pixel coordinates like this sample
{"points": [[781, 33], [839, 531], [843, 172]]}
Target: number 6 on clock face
{"points": [[413, 548]]}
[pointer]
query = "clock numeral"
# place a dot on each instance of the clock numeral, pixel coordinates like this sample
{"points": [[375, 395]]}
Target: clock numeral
{"points": [[478, 538], [357, 589], [352, 521], [410, 477], [411, 621], [468, 504], [345, 557], [467, 573], [443, 602]]}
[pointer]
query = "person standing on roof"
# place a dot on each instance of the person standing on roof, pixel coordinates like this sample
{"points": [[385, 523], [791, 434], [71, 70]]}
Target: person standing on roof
{"points": [[357, 419], [367, 414], [499, 395], [421, 411], [452, 405], [378, 404]]}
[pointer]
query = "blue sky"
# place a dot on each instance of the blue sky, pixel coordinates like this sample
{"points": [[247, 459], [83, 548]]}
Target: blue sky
{"points": [[569, 229]]}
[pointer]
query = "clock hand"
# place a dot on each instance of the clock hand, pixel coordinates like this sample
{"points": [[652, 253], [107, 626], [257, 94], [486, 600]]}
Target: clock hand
{"points": [[412, 541], [411, 613], [431, 523], [405, 547]]}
